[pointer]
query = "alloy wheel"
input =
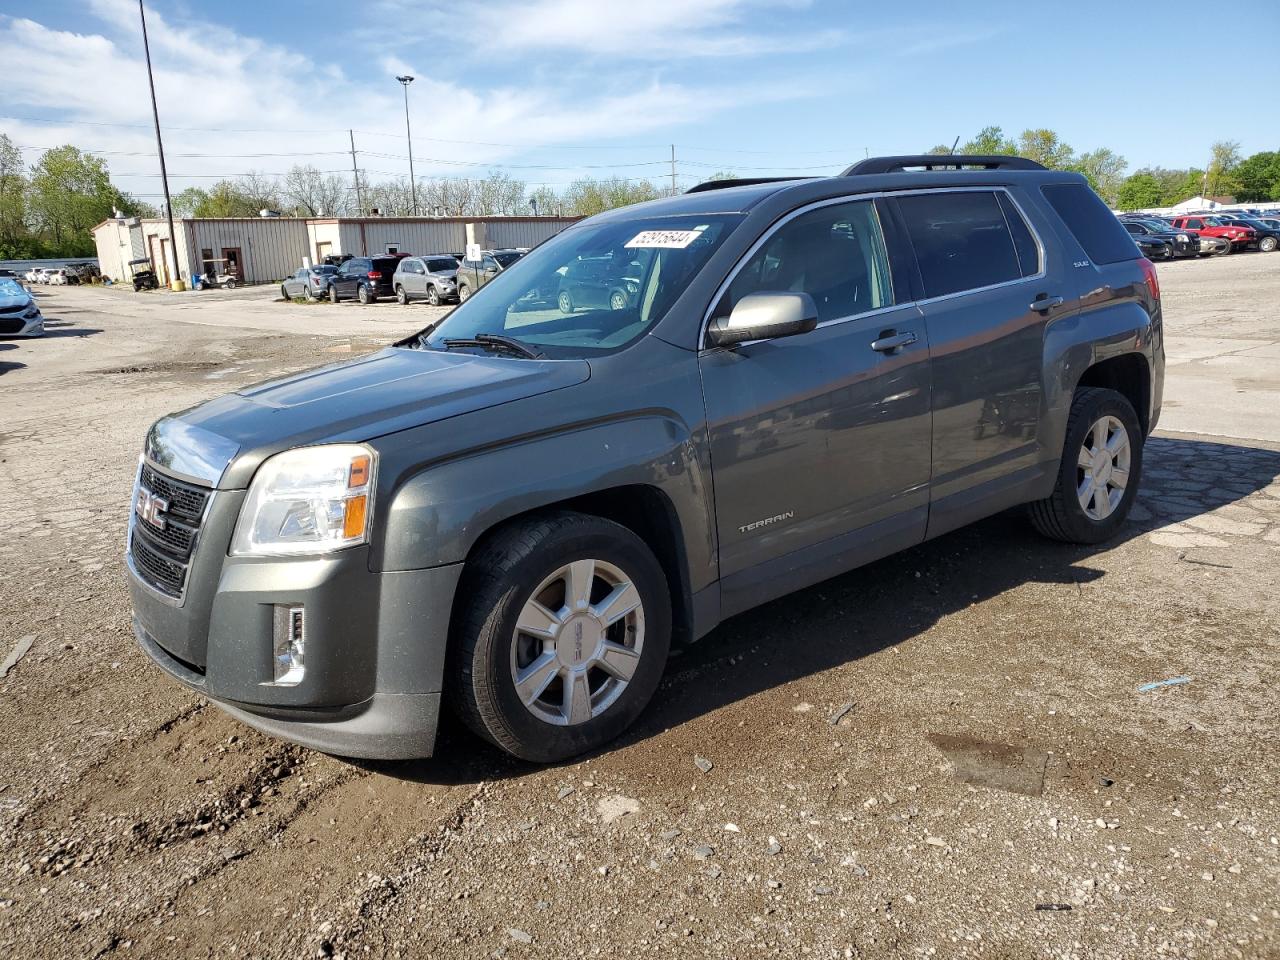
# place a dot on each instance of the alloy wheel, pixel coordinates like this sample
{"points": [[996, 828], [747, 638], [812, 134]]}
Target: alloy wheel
{"points": [[577, 642], [1102, 468]]}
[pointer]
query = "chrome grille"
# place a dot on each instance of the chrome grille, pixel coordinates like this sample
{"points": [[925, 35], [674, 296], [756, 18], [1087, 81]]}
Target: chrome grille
{"points": [[161, 555]]}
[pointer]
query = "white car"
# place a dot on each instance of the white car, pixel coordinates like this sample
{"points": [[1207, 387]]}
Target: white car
{"points": [[35, 275], [57, 278], [19, 315]]}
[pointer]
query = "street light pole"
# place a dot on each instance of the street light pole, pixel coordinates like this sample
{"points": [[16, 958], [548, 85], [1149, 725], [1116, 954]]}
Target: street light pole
{"points": [[164, 175], [413, 184]]}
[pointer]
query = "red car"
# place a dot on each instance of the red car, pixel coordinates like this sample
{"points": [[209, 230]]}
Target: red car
{"points": [[1211, 226]]}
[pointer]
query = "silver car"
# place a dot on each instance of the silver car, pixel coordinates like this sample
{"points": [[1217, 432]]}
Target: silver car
{"points": [[19, 314], [309, 282], [432, 278]]}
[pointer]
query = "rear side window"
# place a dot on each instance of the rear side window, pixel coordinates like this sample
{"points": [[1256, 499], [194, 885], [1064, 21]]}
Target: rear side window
{"points": [[386, 265], [962, 241], [1093, 225], [1024, 244]]}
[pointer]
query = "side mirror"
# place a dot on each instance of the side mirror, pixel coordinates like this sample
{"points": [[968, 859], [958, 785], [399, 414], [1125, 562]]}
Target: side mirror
{"points": [[764, 316]]}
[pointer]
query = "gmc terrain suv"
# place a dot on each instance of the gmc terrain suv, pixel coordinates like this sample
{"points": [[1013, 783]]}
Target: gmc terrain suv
{"points": [[517, 510]]}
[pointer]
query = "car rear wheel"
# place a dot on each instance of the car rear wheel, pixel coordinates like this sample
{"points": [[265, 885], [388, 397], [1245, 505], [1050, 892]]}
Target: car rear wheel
{"points": [[617, 300], [362, 294], [464, 293], [1268, 244], [402, 298], [565, 302], [309, 293], [230, 284], [562, 635], [1099, 473], [433, 296]]}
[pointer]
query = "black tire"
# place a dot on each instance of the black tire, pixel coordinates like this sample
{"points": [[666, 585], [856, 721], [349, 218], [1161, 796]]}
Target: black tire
{"points": [[284, 295], [1229, 248], [1268, 244], [230, 284], [497, 583], [309, 293], [564, 302], [333, 293], [362, 294], [464, 292], [402, 298], [433, 295], [1060, 516], [618, 300]]}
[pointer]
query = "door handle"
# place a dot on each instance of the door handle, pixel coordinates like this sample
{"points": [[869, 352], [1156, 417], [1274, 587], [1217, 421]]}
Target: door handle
{"points": [[1044, 303], [890, 341]]}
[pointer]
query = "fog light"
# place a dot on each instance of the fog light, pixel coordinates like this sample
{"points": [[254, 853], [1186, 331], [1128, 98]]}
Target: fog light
{"points": [[289, 645]]}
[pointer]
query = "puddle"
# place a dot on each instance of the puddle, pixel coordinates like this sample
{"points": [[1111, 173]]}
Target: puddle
{"points": [[995, 765]]}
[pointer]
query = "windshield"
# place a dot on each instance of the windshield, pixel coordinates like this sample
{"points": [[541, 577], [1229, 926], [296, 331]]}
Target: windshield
{"points": [[593, 288], [11, 288], [507, 259]]}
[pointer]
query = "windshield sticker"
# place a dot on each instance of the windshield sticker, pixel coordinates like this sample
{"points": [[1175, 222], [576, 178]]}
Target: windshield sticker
{"points": [[670, 239]]}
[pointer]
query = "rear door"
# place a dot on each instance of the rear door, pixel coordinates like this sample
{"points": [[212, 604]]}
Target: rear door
{"points": [[819, 442], [989, 286]]}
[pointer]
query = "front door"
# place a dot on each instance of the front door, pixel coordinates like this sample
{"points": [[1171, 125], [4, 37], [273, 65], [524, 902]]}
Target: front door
{"points": [[233, 262], [159, 260], [819, 442]]}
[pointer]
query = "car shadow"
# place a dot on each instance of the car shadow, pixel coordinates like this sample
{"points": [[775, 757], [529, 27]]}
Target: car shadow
{"points": [[883, 604], [7, 365], [56, 328]]}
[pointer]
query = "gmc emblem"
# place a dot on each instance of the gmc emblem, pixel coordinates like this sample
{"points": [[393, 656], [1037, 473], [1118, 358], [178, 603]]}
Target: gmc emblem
{"points": [[150, 508]]}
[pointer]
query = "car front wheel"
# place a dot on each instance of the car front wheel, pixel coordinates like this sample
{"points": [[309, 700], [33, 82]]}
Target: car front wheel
{"points": [[1267, 244], [402, 298], [433, 296], [333, 293], [464, 293], [562, 635], [1099, 472]]}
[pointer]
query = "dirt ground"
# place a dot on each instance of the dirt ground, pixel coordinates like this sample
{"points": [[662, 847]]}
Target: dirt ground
{"points": [[908, 761]]}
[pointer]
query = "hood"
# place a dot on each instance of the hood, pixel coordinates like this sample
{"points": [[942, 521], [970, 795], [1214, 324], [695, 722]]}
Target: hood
{"points": [[13, 301], [388, 391]]}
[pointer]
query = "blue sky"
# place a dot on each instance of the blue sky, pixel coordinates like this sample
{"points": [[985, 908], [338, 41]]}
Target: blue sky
{"points": [[548, 90]]}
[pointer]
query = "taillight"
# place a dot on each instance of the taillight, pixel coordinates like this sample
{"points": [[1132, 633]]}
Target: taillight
{"points": [[374, 275], [1149, 275]]}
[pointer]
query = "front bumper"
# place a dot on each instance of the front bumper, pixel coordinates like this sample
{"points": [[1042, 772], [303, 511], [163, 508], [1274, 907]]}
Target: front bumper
{"points": [[19, 326], [375, 646]]}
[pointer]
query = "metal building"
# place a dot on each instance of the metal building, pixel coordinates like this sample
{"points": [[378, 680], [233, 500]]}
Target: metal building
{"points": [[267, 249]]}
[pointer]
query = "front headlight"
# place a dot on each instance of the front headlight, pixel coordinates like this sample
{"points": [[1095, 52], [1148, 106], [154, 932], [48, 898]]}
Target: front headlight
{"points": [[1183, 238], [308, 500], [31, 312]]}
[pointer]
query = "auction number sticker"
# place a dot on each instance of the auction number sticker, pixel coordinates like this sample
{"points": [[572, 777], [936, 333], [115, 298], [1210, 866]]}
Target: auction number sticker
{"points": [[669, 239]]}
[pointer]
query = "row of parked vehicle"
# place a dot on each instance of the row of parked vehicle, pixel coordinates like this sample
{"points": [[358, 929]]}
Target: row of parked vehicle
{"points": [[62, 276], [435, 278], [1202, 234]]}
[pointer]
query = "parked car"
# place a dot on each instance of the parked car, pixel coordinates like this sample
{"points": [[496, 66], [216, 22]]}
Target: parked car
{"points": [[7, 273], [599, 282], [515, 512], [19, 314], [56, 277], [433, 278], [1268, 237], [33, 275], [310, 282], [1207, 225], [366, 278], [474, 274], [1153, 248], [1181, 243]]}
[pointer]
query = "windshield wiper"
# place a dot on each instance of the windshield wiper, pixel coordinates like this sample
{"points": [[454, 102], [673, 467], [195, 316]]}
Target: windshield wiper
{"points": [[497, 342]]}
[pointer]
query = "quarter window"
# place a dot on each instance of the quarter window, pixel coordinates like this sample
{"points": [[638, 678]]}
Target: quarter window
{"points": [[836, 254], [962, 241], [1024, 244]]}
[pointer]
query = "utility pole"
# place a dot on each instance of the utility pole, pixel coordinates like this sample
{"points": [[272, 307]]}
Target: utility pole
{"points": [[176, 278], [355, 175], [673, 167], [413, 184]]}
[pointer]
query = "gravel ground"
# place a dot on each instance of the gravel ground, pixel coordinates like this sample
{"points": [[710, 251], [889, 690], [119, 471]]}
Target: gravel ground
{"points": [[907, 761]]}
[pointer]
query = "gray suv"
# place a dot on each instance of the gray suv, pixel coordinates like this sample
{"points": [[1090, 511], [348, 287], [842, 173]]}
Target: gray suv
{"points": [[515, 512], [432, 278]]}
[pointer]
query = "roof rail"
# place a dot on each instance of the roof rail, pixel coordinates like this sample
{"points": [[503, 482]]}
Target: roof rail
{"points": [[737, 182], [941, 161]]}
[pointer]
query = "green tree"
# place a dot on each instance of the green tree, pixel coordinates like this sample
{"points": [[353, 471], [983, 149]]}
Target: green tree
{"points": [[1045, 147], [69, 193], [1104, 169], [588, 196], [545, 202], [224, 199], [1140, 191], [990, 140], [1258, 177], [14, 239], [188, 201], [1224, 158]]}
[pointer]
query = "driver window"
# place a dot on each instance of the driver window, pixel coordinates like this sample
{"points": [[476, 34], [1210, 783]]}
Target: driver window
{"points": [[490, 263], [836, 254]]}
